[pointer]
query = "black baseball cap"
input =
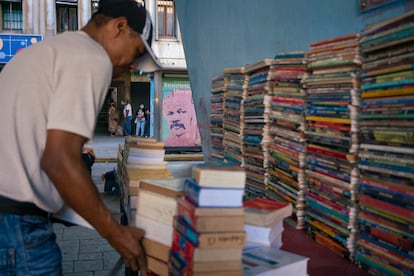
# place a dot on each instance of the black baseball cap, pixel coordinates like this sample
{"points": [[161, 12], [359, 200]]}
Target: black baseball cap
{"points": [[138, 19]]}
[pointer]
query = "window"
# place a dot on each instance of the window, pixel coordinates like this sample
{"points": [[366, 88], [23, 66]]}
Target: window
{"points": [[166, 19], [66, 16], [11, 14]]}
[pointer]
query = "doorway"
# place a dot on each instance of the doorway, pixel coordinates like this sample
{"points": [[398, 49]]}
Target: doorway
{"points": [[140, 94]]}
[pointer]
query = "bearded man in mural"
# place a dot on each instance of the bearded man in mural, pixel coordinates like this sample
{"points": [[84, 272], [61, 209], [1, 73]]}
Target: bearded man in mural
{"points": [[179, 114]]}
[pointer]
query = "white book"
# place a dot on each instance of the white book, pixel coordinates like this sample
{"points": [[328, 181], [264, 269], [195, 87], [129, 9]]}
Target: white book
{"points": [[157, 207], [154, 230], [69, 215], [267, 261], [267, 236]]}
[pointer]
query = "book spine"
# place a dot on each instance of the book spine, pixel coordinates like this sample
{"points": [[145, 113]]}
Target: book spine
{"points": [[178, 263], [183, 246], [387, 248], [186, 209], [385, 235], [182, 227], [326, 151], [192, 191], [223, 240], [387, 207], [328, 119], [335, 39]]}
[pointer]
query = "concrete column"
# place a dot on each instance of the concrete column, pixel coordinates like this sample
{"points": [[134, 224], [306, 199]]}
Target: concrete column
{"points": [[151, 6], [157, 105], [50, 17], [41, 17], [35, 6], [84, 12], [27, 10]]}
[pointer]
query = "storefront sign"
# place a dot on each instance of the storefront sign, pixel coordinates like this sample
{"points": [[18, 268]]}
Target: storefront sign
{"points": [[12, 44]]}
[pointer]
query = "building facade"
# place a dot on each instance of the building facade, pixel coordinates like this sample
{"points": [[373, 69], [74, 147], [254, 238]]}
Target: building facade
{"points": [[24, 22]]}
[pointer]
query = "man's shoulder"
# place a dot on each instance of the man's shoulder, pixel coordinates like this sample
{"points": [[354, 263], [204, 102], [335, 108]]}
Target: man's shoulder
{"points": [[77, 43]]}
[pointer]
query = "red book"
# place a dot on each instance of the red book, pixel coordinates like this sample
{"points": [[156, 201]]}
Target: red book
{"points": [[326, 151], [387, 208], [334, 39], [266, 212], [192, 253]]}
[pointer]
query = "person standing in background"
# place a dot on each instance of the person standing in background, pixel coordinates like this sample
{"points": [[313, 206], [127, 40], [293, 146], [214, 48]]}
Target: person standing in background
{"points": [[147, 122], [127, 112], [140, 121], [113, 117]]}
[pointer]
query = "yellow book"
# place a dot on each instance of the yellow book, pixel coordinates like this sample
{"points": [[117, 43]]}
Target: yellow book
{"points": [[329, 119]]}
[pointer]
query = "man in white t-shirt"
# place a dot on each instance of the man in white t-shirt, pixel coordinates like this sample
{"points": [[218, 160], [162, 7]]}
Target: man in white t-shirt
{"points": [[127, 112], [52, 93]]}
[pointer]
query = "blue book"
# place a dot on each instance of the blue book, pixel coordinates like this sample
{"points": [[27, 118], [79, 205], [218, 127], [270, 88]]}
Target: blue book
{"points": [[212, 196]]}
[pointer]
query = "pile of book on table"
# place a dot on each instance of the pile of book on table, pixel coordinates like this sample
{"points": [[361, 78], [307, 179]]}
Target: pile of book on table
{"points": [[264, 221], [156, 208], [264, 228], [143, 158], [197, 226], [208, 235]]}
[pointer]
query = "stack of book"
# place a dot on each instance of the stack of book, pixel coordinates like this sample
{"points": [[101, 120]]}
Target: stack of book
{"points": [[217, 98], [209, 236], [256, 130], [385, 243], [233, 124], [143, 158], [287, 150], [156, 209], [264, 221], [332, 106]]}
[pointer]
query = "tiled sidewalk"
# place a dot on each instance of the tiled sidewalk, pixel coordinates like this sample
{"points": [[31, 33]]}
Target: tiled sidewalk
{"points": [[84, 251]]}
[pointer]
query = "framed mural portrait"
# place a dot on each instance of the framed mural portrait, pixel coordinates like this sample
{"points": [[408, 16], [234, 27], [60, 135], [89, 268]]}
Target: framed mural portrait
{"points": [[179, 125]]}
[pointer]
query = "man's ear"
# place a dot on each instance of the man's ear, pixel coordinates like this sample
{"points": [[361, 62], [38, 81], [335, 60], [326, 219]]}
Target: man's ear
{"points": [[121, 25]]}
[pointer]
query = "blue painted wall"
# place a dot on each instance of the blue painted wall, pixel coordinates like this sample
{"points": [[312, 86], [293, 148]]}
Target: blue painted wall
{"points": [[220, 34]]}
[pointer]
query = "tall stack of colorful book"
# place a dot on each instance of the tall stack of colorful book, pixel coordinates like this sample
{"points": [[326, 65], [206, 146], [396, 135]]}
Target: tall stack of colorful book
{"points": [[385, 244], [332, 103], [209, 235], [287, 150], [257, 127], [217, 98], [235, 82]]}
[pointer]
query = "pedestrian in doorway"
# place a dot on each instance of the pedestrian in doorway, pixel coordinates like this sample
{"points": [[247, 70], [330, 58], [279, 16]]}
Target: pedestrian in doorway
{"points": [[113, 117], [140, 121], [127, 112]]}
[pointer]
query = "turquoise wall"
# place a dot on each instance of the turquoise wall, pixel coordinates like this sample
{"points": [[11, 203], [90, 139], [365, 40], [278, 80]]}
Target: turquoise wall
{"points": [[220, 34]]}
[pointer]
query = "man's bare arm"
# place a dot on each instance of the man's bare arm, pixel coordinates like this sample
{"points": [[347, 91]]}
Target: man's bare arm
{"points": [[63, 163]]}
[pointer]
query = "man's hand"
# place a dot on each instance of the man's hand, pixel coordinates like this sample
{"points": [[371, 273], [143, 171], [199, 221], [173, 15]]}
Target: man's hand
{"points": [[127, 241], [89, 150]]}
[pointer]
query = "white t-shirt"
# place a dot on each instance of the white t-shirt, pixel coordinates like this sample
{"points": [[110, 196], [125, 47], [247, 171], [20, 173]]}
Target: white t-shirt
{"points": [[59, 83], [129, 108]]}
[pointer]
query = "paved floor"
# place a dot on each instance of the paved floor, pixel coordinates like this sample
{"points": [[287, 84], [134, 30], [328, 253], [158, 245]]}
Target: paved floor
{"points": [[84, 252]]}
